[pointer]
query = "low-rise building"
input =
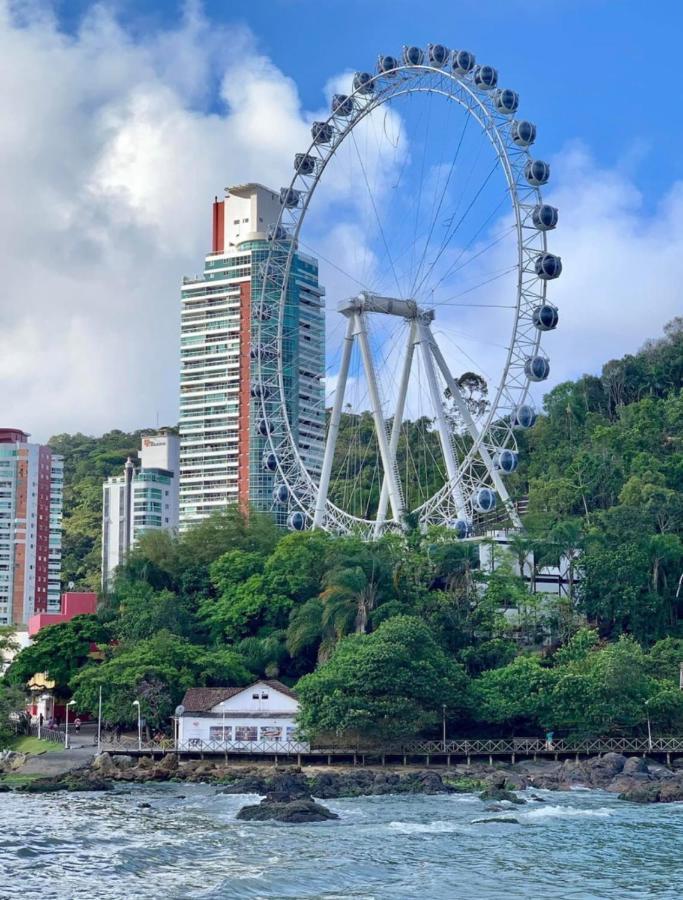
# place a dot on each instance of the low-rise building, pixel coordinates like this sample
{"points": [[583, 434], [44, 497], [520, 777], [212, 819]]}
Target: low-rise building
{"points": [[74, 603], [261, 717]]}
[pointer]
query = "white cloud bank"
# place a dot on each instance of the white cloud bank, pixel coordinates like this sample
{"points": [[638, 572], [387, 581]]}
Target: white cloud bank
{"points": [[110, 153]]}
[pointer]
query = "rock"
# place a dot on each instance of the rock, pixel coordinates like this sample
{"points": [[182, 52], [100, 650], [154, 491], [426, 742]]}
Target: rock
{"points": [[657, 770], [677, 763], [70, 782], [497, 820], [145, 762], [251, 784], [11, 760], [641, 793], [500, 794], [603, 769], [4, 788], [169, 763], [294, 812], [104, 764], [123, 761], [144, 805], [634, 764], [671, 791], [624, 783]]}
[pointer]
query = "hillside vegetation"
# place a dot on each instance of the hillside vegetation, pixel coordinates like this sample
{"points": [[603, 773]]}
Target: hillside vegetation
{"points": [[378, 637]]}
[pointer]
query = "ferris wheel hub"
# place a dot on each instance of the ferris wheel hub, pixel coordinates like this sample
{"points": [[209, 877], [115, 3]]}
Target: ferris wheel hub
{"points": [[366, 302]]}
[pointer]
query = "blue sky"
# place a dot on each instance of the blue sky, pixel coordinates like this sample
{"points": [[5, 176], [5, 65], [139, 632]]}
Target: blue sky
{"points": [[601, 71], [120, 121]]}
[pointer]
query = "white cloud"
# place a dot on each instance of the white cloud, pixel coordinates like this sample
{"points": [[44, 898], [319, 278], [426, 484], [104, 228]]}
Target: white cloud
{"points": [[111, 149]]}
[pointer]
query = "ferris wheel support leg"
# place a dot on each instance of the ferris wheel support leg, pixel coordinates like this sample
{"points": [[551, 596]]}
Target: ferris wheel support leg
{"points": [[396, 426], [388, 460], [425, 338], [335, 420], [473, 430]]}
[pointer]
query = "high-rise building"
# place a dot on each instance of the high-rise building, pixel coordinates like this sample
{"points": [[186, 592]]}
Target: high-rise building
{"points": [[31, 488], [221, 451], [143, 498]]}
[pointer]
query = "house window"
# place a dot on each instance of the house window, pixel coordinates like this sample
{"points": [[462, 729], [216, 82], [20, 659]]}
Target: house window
{"points": [[271, 733], [246, 733], [220, 733]]}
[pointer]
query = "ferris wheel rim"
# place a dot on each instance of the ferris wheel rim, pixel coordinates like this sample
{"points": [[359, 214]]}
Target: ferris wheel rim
{"points": [[302, 493]]}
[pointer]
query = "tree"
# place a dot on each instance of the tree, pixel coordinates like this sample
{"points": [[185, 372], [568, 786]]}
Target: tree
{"points": [[8, 645], [59, 651], [12, 704], [156, 671], [514, 696], [387, 686]]}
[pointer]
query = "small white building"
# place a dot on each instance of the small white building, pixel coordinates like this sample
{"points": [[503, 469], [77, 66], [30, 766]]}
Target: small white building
{"points": [[258, 718]]}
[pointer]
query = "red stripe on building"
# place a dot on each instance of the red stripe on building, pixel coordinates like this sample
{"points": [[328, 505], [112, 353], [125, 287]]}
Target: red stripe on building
{"points": [[218, 239], [42, 529], [244, 396]]}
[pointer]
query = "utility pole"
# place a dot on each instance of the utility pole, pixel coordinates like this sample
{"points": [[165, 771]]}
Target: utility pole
{"points": [[99, 722], [443, 721]]}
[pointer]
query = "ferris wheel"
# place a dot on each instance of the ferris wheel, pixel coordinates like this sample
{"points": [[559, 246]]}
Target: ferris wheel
{"points": [[424, 427]]}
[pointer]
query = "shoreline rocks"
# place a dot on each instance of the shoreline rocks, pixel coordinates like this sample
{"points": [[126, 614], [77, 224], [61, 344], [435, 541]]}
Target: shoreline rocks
{"points": [[631, 778]]}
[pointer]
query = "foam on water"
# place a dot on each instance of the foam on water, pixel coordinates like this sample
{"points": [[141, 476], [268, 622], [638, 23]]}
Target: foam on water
{"points": [[552, 812], [424, 827]]}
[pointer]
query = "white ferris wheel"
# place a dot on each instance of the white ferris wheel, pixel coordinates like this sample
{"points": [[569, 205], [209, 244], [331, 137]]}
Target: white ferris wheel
{"points": [[437, 304]]}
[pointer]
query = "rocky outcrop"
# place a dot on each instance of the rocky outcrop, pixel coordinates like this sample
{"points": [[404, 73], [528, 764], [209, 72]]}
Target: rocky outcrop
{"points": [[74, 781], [11, 760], [303, 809]]}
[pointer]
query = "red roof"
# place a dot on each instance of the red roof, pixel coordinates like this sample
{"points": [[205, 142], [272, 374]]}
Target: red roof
{"points": [[202, 699]]}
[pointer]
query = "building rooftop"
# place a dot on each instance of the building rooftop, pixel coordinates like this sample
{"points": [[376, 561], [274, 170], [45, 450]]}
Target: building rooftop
{"points": [[246, 190], [13, 436], [205, 698]]}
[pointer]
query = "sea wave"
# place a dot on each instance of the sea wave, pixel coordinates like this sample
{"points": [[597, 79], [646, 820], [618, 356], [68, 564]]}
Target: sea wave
{"points": [[436, 827], [550, 812]]}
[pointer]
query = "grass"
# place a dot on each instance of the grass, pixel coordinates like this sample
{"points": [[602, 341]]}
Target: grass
{"points": [[14, 779], [465, 785], [27, 744]]}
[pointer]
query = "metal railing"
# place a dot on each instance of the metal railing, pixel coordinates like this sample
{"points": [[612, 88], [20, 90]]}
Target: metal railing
{"points": [[529, 746], [197, 745], [54, 735]]}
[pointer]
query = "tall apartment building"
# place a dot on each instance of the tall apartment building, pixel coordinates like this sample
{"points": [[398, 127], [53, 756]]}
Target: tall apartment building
{"points": [[143, 498], [221, 451], [31, 489]]}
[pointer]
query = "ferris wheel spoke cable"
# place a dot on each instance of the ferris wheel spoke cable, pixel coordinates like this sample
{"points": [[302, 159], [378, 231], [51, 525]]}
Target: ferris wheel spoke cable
{"points": [[450, 270], [413, 288], [374, 207], [450, 235]]}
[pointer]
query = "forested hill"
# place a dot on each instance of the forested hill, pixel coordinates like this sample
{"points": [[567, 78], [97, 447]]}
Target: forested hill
{"points": [[378, 637], [606, 455], [87, 462]]}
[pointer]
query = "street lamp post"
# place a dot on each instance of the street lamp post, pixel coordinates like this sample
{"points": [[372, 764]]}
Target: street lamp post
{"points": [[137, 703], [66, 724], [443, 722], [649, 727]]}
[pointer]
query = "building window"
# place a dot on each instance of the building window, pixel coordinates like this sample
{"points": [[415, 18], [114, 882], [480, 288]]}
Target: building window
{"points": [[246, 733], [220, 733], [271, 733]]}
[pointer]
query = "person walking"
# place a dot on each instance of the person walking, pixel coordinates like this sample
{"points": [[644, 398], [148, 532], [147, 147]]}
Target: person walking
{"points": [[77, 725]]}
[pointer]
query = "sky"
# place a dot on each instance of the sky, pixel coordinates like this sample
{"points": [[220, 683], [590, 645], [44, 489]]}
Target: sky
{"points": [[120, 122]]}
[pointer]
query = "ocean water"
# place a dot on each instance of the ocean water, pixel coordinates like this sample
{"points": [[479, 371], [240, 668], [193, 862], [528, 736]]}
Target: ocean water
{"points": [[188, 844]]}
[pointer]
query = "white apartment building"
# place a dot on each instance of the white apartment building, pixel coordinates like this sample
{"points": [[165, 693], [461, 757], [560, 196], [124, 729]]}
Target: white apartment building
{"points": [[31, 491], [221, 451], [143, 498]]}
